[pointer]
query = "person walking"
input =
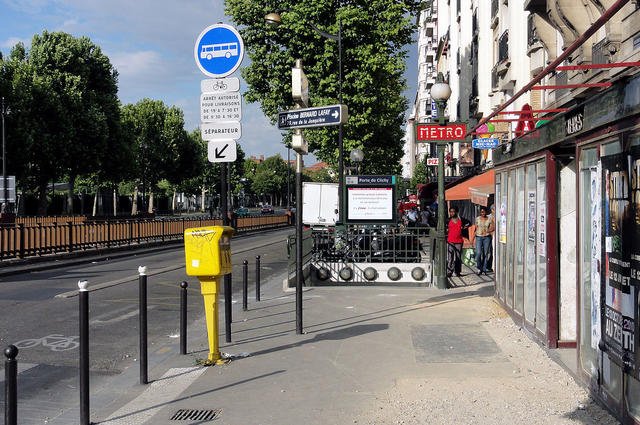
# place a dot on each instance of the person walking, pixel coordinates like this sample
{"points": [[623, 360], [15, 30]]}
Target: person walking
{"points": [[484, 227], [454, 241]]}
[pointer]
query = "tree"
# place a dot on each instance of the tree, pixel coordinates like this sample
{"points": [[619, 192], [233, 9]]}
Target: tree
{"points": [[374, 36], [161, 147], [421, 175], [63, 95]]}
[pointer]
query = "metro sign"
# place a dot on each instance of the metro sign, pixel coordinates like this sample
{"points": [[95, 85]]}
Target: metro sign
{"points": [[431, 132]]}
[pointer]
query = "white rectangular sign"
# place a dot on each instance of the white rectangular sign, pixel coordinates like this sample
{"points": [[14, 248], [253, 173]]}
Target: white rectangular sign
{"points": [[222, 151], [11, 189], [220, 107], [219, 85], [370, 203], [221, 131]]}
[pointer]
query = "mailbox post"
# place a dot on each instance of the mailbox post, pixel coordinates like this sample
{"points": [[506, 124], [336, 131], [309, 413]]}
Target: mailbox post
{"points": [[208, 256]]}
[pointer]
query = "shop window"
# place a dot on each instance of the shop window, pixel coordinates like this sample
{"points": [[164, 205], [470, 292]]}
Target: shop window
{"points": [[496, 238], [530, 275], [501, 227], [589, 278], [519, 248], [510, 235], [541, 257], [611, 378], [632, 396]]}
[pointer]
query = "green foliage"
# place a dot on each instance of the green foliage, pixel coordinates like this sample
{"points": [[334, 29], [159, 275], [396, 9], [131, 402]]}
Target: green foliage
{"points": [[421, 174], [322, 175], [374, 36], [65, 110]]}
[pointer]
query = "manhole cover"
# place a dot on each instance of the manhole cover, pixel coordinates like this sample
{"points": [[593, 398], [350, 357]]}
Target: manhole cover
{"points": [[196, 414]]}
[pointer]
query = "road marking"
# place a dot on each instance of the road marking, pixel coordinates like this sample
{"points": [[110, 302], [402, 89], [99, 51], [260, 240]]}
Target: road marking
{"points": [[55, 342], [104, 285], [120, 318], [163, 350], [158, 394]]}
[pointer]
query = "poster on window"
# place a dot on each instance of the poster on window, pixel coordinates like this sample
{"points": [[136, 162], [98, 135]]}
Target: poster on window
{"points": [[503, 220], [619, 313], [531, 217], [542, 219], [635, 216], [596, 200]]}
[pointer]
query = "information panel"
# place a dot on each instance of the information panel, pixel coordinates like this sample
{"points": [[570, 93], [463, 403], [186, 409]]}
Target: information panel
{"points": [[372, 204]]}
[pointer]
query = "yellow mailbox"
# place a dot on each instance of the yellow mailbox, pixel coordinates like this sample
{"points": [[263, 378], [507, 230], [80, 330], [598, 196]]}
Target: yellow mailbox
{"points": [[208, 256]]}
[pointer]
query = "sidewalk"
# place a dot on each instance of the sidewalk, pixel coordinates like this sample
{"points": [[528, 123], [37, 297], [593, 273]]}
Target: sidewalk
{"points": [[370, 355]]}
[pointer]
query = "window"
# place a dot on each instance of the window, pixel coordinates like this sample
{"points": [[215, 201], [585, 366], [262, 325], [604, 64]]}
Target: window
{"points": [[519, 248], [541, 257], [531, 207], [510, 235]]}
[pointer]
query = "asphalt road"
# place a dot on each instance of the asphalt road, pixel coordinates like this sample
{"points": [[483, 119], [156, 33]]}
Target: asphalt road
{"points": [[39, 313]]}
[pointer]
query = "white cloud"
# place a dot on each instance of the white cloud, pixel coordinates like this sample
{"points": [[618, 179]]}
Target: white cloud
{"points": [[12, 41]]}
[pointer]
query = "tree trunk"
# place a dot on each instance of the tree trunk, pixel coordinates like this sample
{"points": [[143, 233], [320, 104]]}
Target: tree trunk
{"points": [[115, 202], [134, 206], [95, 202], [173, 202], [43, 203], [202, 197], [72, 185], [150, 210]]}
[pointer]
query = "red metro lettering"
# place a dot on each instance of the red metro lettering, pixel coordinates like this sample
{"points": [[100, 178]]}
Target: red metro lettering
{"points": [[441, 132]]}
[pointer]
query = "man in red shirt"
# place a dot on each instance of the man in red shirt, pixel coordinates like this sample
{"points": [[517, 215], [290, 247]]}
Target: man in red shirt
{"points": [[454, 241]]}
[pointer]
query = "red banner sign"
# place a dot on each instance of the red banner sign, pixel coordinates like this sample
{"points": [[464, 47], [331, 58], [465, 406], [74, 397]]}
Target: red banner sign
{"points": [[441, 132]]}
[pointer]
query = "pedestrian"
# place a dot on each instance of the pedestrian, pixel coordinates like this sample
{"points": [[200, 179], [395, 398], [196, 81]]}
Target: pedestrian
{"points": [[336, 216], [484, 227], [412, 217], [492, 217], [454, 242]]}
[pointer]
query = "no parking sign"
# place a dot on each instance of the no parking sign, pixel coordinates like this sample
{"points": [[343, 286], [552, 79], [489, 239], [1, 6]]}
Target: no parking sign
{"points": [[219, 50]]}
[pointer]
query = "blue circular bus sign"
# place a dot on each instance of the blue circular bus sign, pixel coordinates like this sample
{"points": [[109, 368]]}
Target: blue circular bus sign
{"points": [[219, 50]]}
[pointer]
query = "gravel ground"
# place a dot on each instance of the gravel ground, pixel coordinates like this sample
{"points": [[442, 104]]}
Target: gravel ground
{"points": [[540, 392]]}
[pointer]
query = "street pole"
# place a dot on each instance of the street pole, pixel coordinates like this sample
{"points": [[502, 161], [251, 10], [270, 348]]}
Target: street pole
{"points": [[299, 243], [288, 177], [440, 232], [4, 164], [340, 145]]}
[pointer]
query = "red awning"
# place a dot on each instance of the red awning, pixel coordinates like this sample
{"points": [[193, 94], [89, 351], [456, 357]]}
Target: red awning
{"points": [[461, 191]]}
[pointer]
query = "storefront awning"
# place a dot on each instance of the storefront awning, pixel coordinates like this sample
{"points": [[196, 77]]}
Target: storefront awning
{"points": [[480, 194], [461, 191]]}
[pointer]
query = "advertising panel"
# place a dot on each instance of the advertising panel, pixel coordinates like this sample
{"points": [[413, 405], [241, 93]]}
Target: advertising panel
{"points": [[369, 203], [596, 237], [618, 315]]}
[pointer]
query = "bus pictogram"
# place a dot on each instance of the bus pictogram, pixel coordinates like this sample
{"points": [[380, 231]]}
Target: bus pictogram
{"points": [[210, 51]]}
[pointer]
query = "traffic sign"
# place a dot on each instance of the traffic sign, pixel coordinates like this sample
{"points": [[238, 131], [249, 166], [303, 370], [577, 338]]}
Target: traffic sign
{"points": [[321, 116], [219, 85], [222, 151], [219, 50], [221, 131], [217, 107], [435, 132], [485, 143]]}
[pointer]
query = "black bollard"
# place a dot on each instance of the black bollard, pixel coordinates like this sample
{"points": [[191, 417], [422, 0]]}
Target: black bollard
{"points": [[142, 302], [257, 278], [83, 297], [245, 284], [227, 306], [183, 317], [11, 386]]}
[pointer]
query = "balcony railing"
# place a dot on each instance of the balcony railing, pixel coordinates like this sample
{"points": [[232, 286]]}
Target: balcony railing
{"points": [[494, 77], [561, 79], [532, 36], [494, 8], [503, 47]]}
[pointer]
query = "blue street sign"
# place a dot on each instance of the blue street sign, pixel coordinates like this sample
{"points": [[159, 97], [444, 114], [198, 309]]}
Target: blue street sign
{"points": [[434, 110], [485, 143], [320, 116], [219, 50]]}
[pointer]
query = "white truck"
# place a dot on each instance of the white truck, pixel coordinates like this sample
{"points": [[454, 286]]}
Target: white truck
{"points": [[320, 200]]}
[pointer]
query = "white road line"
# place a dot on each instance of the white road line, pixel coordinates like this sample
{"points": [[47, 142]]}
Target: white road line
{"points": [[157, 395], [119, 318]]}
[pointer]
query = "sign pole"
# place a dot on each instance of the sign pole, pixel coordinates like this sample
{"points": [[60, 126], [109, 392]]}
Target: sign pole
{"points": [[442, 211], [299, 243]]}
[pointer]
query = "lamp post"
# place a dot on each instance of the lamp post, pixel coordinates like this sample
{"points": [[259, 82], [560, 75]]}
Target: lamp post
{"points": [[288, 178], [440, 93], [4, 111], [357, 156], [274, 19]]}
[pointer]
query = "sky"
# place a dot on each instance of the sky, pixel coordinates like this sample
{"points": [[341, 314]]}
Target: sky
{"points": [[151, 44]]}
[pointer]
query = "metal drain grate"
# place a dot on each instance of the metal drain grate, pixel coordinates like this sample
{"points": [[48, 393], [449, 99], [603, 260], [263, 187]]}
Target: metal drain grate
{"points": [[196, 415]]}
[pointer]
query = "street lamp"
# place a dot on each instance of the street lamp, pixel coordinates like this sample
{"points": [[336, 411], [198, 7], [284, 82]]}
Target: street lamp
{"points": [[274, 19], [440, 93], [357, 156], [4, 111]]}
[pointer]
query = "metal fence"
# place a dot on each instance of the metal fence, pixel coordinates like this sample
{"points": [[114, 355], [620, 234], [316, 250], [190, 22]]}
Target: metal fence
{"points": [[41, 239], [372, 244]]}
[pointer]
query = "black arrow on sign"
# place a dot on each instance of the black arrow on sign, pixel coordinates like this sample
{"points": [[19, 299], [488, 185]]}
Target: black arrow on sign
{"points": [[219, 154]]}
